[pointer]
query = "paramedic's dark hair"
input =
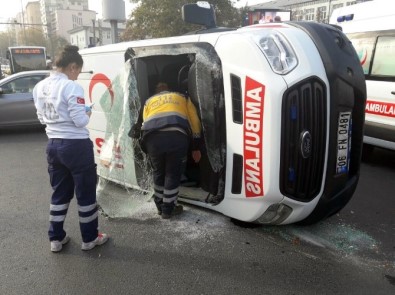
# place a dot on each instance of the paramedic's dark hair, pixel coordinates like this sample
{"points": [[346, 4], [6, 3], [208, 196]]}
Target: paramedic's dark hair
{"points": [[161, 86], [69, 55]]}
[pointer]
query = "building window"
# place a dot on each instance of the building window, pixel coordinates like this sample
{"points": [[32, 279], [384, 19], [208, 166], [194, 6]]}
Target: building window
{"points": [[309, 14], [321, 14], [335, 6], [297, 15]]}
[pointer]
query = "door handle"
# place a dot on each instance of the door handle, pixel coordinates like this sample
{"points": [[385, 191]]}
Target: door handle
{"points": [[393, 92]]}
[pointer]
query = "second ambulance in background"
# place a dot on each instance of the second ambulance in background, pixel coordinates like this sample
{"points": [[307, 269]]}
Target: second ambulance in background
{"points": [[371, 28]]}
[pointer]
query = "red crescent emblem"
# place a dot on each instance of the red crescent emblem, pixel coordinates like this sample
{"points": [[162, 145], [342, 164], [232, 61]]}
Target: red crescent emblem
{"points": [[363, 60], [101, 78]]}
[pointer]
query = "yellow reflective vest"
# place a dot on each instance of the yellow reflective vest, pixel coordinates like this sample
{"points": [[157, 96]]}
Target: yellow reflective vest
{"points": [[171, 109]]}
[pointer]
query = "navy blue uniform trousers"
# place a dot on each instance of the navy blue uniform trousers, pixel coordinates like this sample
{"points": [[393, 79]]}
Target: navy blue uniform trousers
{"points": [[167, 151], [72, 169]]}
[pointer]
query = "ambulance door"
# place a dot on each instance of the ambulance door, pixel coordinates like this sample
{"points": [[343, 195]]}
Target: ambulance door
{"points": [[207, 95], [109, 85], [138, 94]]}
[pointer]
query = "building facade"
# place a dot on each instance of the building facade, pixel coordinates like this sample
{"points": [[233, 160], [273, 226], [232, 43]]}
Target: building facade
{"points": [[99, 34], [33, 15], [65, 20], [50, 18], [300, 10]]}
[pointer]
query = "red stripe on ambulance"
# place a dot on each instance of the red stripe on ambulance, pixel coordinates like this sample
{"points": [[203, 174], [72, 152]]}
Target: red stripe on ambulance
{"points": [[380, 108], [253, 137]]}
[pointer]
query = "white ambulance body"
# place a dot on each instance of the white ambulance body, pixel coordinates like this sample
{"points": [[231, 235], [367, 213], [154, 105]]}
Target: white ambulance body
{"points": [[371, 28], [282, 112]]}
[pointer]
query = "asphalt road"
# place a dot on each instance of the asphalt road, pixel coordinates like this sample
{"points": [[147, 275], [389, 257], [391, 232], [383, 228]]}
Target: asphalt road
{"points": [[199, 252]]}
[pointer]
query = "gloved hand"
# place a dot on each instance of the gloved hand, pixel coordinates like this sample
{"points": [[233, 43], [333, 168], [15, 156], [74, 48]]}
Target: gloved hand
{"points": [[88, 109]]}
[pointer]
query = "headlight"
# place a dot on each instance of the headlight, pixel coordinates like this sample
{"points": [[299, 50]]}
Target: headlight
{"points": [[278, 51], [275, 214]]}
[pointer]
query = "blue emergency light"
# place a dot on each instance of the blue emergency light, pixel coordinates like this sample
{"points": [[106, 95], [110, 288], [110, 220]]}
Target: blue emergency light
{"points": [[346, 18]]}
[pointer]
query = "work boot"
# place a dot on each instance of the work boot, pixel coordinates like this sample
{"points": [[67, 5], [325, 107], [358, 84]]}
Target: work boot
{"points": [[176, 211], [158, 203]]}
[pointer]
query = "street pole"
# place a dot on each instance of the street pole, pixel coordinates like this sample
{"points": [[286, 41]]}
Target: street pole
{"points": [[23, 23], [94, 33], [329, 11], [114, 31]]}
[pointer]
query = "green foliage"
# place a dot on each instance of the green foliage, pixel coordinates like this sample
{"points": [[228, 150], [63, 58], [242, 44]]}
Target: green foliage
{"points": [[6, 40], [162, 18], [54, 45], [32, 37]]}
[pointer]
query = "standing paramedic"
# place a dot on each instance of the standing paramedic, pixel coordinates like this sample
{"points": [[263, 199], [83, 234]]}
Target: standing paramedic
{"points": [[61, 107], [169, 119]]}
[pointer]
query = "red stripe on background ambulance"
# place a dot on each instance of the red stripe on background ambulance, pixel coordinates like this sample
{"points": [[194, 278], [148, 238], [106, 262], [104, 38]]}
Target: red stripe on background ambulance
{"points": [[380, 108], [253, 137]]}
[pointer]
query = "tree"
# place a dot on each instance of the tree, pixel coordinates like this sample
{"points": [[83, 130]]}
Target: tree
{"points": [[6, 40], [54, 45], [162, 18], [31, 37]]}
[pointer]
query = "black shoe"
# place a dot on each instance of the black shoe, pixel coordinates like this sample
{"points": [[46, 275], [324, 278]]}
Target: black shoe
{"points": [[176, 211], [158, 203]]}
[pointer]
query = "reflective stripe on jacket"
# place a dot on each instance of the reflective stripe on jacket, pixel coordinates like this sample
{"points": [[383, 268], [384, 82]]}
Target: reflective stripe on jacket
{"points": [[171, 109]]}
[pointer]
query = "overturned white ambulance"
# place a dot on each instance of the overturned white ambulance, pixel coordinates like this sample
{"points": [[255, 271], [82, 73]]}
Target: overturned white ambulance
{"points": [[282, 112]]}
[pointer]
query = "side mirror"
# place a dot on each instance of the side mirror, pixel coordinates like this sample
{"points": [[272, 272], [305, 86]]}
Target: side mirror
{"points": [[201, 13]]}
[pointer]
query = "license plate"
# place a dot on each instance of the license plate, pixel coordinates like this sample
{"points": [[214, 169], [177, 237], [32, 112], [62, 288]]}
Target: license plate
{"points": [[343, 142]]}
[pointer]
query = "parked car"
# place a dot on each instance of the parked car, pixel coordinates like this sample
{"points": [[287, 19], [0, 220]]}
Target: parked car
{"points": [[16, 99]]}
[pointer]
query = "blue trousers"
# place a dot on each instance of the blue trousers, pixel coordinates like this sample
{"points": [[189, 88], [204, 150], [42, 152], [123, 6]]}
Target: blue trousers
{"points": [[72, 169], [167, 151]]}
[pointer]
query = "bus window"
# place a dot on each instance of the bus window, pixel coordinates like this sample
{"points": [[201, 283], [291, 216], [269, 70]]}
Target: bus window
{"points": [[383, 63], [26, 58], [364, 48]]}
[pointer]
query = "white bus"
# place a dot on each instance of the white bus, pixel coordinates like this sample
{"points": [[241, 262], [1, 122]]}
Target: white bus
{"points": [[26, 58], [281, 107], [371, 28]]}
